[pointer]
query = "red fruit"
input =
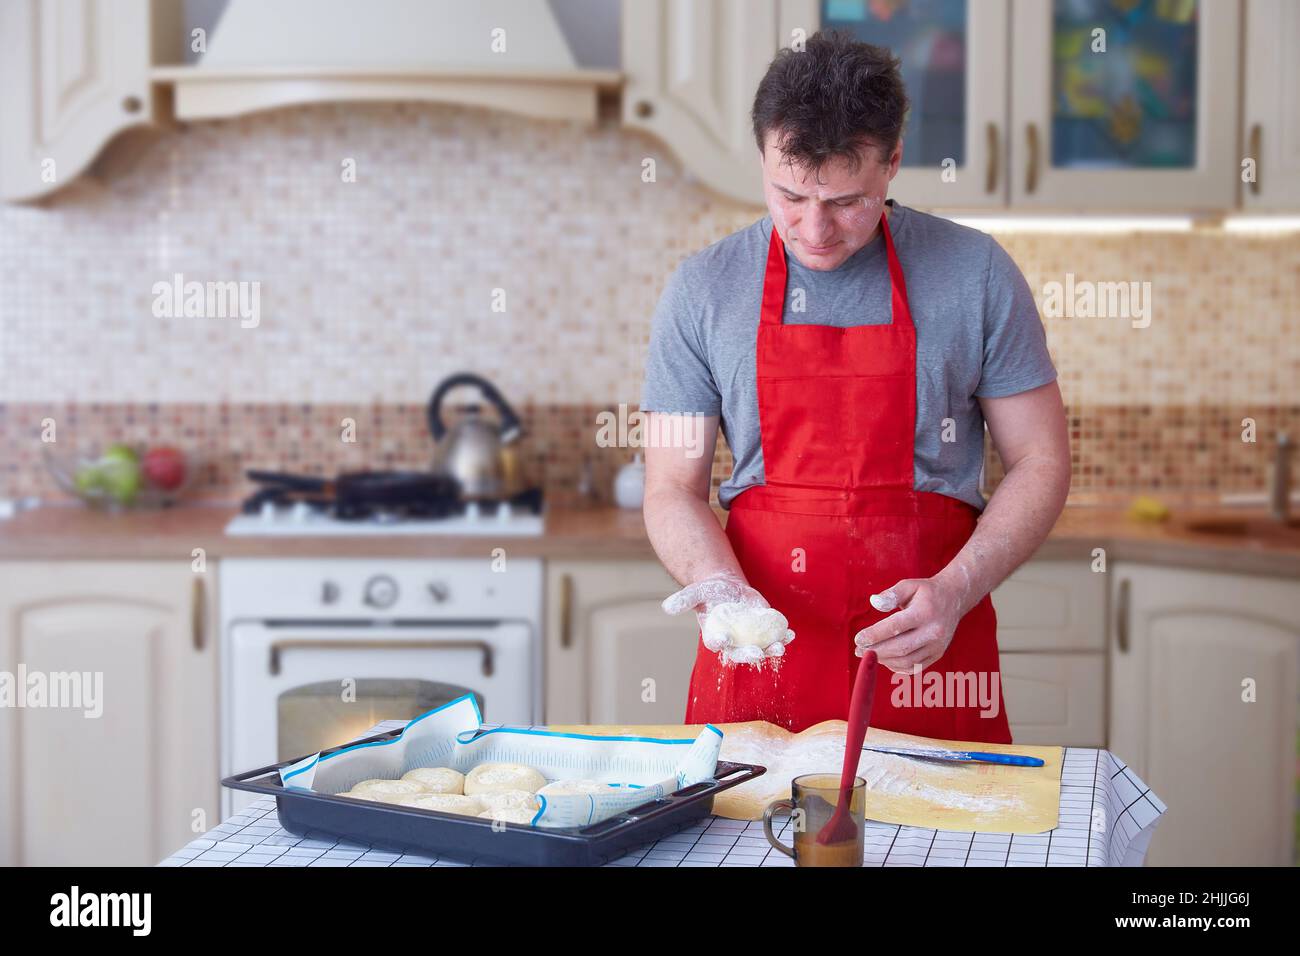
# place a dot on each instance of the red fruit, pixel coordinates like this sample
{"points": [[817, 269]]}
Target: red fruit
{"points": [[164, 467]]}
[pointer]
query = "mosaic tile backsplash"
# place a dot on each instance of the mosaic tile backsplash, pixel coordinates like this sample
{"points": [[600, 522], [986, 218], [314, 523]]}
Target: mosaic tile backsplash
{"points": [[533, 254]]}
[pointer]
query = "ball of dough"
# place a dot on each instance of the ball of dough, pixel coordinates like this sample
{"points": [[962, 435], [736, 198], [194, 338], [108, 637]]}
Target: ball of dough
{"points": [[570, 788], [745, 626], [392, 787], [354, 795], [446, 802], [510, 814], [493, 777], [437, 779], [510, 800]]}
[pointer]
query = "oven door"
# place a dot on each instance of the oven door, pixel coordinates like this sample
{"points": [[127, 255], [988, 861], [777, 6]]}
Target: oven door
{"points": [[297, 688]]}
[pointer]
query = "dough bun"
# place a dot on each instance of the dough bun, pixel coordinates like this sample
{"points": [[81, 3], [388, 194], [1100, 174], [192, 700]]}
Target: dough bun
{"points": [[494, 777], [510, 814], [387, 786], [445, 802], [510, 800], [437, 779]]}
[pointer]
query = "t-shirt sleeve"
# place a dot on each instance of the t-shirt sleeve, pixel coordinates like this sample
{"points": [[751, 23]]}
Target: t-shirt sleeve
{"points": [[677, 374], [1015, 344]]}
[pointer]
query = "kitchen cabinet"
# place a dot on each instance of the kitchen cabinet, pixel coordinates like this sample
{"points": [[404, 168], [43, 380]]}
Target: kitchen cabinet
{"points": [[1052, 648], [1271, 120], [692, 71], [954, 63], [1011, 105], [690, 75], [1204, 670], [612, 655], [121, 776], [75, 74], [1150, 122], [607, 636]]}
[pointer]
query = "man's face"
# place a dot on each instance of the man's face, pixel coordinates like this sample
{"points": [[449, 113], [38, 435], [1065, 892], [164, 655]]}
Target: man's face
{"points": [[825, 215]]}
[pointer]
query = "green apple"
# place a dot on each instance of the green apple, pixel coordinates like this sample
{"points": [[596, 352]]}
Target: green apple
{"points": [[118, 472]]}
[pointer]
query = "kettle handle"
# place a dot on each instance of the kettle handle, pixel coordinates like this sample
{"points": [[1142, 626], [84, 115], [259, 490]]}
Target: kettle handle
{"points": [[510, 425]]}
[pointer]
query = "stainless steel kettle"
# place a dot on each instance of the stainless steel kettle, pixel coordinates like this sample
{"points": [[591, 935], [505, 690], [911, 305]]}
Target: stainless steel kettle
{"points": [[474, 450]]}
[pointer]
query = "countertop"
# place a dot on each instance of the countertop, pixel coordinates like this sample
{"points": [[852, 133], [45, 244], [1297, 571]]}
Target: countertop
{"points": [[1106, 818], [75, 532]]}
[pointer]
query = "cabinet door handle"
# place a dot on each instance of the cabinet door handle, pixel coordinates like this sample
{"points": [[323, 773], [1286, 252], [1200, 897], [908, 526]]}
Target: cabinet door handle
{"points": [[198, 614], [1256, 137], [1121, 616], [566, 610], [991, 175], [1031, 171]]}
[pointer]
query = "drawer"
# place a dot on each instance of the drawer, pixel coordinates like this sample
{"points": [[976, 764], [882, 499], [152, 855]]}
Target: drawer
{"points": [[1052, 606]]}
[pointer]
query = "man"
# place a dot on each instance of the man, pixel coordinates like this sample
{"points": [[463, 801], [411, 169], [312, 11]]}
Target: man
{"points": [[853, 351]]}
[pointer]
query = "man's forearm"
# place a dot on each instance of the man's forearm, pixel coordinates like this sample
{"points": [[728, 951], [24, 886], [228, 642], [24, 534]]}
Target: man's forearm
{"points": [[686, 535], [1016, 521]]}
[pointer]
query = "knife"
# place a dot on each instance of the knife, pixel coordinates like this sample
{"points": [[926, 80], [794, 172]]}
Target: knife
{"points": [[958, 756]]}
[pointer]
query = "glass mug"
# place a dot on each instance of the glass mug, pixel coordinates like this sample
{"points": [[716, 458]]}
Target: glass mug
{"points": [[812, 804]]}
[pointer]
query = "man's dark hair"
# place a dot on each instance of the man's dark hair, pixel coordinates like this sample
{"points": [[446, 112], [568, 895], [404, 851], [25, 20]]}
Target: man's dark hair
{"points": [[830, 100]]}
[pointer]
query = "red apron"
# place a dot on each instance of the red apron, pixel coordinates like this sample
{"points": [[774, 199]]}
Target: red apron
{"points": [[837, 521]]}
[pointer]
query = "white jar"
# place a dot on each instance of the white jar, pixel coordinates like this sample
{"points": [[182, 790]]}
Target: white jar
{"points": [[629, 484]]}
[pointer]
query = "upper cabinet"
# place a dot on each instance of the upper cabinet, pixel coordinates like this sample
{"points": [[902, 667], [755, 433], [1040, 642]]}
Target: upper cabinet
{"points": [[1039, 104], [1073, 105], [1271, 120], [954, 63], [74, 74], [691, 70], [1125, 105]]}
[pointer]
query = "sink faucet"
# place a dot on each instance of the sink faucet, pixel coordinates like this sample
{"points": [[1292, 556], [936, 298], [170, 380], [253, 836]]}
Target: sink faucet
{"points": [[1280, 498]]}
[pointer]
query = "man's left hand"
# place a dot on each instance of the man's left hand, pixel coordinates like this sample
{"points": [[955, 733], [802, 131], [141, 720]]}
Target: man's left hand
{"points": [[921, 630]]}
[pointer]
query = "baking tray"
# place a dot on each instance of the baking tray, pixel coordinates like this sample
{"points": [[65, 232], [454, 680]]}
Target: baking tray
{"points": [[472, 840]]}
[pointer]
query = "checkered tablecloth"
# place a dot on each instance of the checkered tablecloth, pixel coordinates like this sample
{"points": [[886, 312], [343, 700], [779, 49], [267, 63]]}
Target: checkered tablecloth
{"points": [[1107, 817]]}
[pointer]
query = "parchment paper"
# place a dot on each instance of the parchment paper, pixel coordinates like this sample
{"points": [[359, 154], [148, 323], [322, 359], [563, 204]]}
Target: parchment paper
{"points": [[636, 769], [947, 796]]}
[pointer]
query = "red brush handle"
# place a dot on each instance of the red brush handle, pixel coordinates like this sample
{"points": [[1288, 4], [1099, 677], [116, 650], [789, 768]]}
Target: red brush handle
{"points": [[864, 692]]}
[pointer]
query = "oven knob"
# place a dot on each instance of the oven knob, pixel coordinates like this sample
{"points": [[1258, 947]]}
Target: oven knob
{"points": [[439, 591], [329, 592], [381, 591]]}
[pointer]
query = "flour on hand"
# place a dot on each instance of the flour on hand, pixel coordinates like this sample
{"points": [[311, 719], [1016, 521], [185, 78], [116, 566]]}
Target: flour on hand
{"points": [[746, 635]]}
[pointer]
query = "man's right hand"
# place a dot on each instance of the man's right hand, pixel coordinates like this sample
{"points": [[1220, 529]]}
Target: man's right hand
{"points": [[722, 587]]}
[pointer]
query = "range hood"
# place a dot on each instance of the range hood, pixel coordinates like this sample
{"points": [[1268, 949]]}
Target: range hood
{"points": [[512, 55]]}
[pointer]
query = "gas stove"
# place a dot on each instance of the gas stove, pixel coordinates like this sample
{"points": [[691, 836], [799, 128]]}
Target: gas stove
{"points": [[380, 503]]}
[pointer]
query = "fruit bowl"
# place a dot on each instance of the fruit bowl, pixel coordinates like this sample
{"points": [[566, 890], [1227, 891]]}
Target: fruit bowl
{"points": [[122, 475]]}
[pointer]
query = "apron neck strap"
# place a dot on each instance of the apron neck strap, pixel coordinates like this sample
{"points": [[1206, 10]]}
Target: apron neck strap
{"points": [[774, 280]]}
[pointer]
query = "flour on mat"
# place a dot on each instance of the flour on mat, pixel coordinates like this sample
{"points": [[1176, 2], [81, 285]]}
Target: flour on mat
{"points": [[885, 774]]}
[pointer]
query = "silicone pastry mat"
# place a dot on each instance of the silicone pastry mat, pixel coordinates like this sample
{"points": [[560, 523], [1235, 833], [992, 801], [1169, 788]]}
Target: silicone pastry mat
{"points": [[924, 793]]}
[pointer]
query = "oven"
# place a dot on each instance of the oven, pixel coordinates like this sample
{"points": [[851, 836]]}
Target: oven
{"points": [[316, 651]]}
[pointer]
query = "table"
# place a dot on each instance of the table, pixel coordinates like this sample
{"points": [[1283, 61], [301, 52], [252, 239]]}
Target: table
{"points": [[1107, 818]]}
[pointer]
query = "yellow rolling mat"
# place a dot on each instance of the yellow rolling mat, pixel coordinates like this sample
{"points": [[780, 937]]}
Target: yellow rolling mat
{"points": [[989, 798]]}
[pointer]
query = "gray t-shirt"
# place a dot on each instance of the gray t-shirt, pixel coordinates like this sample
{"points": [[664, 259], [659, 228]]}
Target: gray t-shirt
{"points": [[978, 334]]}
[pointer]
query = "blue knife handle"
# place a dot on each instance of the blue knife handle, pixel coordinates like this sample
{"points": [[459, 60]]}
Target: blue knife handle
{"points": [[1011, 760]]}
